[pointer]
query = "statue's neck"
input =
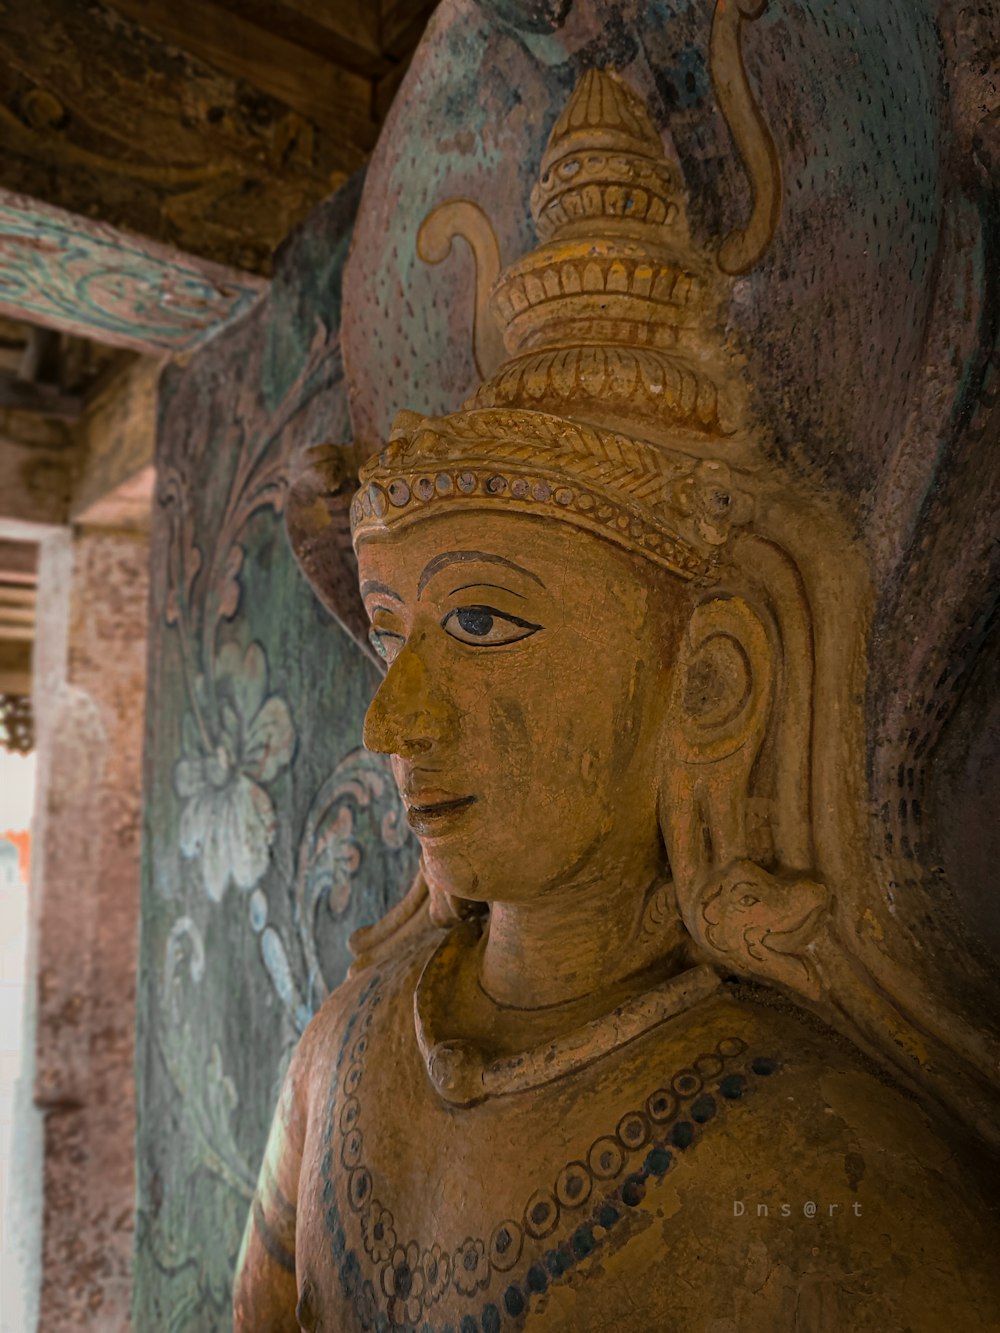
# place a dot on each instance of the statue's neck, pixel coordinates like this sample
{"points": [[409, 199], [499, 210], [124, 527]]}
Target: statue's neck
{"points": [[579, 939]]}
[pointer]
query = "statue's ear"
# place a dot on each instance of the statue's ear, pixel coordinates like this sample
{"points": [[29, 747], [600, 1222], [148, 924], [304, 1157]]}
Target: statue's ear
{"points": [[719, 705], [722, 684]]}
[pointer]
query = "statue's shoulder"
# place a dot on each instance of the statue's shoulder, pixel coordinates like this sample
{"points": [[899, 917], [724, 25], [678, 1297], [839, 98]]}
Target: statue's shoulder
{"points": [[809, 1163], [392, 969], [775, 1153], [819, 1101]]}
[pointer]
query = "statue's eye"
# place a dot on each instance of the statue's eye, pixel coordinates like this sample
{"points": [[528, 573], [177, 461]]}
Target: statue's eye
{"points": [[385, 643], [485, 626]]}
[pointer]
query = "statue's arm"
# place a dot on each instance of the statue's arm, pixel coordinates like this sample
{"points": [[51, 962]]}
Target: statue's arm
{"points": [[265, 1291]]}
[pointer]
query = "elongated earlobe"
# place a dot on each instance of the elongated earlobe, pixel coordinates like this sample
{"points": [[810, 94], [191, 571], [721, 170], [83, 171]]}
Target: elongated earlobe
{"points": [[753, 921], [718, 715]]}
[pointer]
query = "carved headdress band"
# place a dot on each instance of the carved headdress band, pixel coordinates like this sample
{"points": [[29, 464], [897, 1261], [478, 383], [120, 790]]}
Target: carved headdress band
{"points": [[610, 323], [674, 510]]}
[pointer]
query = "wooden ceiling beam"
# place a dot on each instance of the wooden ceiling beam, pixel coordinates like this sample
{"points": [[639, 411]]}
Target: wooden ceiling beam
{"points": [[402, 25], [104, 476], [103, 117], [334, 98], [97, 282], [355, 20], [345, 32]]}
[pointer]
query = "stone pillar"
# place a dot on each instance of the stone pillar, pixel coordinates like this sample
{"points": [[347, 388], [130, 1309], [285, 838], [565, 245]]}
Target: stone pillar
{"points": [[90, 662], [24, 1200]]}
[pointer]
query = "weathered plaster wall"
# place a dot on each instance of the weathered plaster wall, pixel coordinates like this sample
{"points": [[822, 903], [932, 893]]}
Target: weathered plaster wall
{"points": [[269, 834], [91, 663]]}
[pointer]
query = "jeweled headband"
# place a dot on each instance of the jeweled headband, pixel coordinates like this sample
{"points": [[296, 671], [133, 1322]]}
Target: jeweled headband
{"points": [[673, 509]]}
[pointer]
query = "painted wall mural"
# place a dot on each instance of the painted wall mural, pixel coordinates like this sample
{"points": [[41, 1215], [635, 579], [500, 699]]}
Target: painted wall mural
{"points": [[270, 833]]}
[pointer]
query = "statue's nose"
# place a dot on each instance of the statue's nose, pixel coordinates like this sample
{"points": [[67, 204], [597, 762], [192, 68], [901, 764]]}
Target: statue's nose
{"points": [[410, 712]]}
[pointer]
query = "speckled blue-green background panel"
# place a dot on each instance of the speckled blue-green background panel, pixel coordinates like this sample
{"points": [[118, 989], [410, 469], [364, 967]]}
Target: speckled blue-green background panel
{"points": [[860, 144], [269, 834]]}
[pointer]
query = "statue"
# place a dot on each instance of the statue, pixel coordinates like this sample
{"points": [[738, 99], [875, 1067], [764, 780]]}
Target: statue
{"points": [[612, 1064]]}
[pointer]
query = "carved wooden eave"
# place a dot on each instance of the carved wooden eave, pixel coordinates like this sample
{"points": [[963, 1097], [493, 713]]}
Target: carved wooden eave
{"points": [[96, 281]]}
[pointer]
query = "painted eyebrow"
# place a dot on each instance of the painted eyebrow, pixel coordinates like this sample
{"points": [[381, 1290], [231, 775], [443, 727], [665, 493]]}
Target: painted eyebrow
{"points": [[461, 557], [499, 586], [369, 586]]}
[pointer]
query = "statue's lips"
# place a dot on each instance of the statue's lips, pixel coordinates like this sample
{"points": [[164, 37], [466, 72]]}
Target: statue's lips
{"points": [[430, 815]]}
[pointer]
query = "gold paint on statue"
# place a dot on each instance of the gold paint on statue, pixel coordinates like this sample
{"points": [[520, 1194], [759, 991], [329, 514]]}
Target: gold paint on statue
{"points": [[626, 741], [742, 249], [461, 217]]}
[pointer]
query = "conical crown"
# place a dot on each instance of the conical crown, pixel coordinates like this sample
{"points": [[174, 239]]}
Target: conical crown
{"points": [[604, 160], [614, 313]]}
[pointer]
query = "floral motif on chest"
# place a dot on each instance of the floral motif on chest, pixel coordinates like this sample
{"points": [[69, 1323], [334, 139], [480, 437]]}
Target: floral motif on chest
{"points": [[395, 1281]]}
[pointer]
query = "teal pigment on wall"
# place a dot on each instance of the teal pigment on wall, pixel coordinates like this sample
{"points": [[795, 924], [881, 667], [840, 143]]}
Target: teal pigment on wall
{"points": [[270, 834]]}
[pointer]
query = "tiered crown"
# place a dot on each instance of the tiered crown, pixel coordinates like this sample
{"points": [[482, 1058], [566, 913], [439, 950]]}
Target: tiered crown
{"points": [[611, 329], [615, 309], [604, 160]]}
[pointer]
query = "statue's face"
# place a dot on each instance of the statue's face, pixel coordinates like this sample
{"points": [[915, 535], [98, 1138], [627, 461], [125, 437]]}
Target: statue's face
{"points": [[524, 704]]}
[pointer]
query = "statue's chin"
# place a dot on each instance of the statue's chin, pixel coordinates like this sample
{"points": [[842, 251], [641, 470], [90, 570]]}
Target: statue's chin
{"points": [[451, 872]]}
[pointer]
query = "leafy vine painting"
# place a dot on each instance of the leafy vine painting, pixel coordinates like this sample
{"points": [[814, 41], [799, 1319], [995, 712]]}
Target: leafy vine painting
{"points": [[270, 832]]}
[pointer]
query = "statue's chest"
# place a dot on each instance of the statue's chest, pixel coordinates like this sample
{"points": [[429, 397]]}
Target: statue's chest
{"points": [[438, 1218]]}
